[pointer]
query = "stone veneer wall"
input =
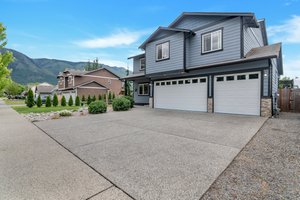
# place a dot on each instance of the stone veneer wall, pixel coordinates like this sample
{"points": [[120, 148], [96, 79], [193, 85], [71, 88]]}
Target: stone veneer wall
{"points": [[266, 107], [210, 105]]}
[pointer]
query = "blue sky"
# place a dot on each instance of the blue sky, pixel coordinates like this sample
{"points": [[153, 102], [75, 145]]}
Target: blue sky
{"points": [[112, 30]]}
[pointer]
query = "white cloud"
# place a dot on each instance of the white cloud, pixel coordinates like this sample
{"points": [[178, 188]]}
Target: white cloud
{"points": [[286, 32], [291, 68], [118, 39]]}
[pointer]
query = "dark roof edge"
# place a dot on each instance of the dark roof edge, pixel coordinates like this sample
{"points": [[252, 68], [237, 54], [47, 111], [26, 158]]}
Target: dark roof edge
{"points": [[139, 55]]}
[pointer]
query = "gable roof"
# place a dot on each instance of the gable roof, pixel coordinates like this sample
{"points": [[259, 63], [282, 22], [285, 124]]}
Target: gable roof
{"points": [[102, 68], [163, 29], [225, 14], [44, 88], [89, 82], [76, 72]]}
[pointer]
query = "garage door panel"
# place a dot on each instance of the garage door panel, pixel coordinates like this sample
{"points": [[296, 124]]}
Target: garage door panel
{"points": [[191, 96], [237, 96]]}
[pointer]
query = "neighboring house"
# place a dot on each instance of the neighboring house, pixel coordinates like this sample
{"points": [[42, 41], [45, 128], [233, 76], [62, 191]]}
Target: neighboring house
{"points": [[209, 61], [78, 83], [44, 90]]}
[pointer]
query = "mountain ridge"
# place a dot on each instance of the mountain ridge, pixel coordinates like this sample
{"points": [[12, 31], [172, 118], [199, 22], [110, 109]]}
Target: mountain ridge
{"points": [[29, 70]]}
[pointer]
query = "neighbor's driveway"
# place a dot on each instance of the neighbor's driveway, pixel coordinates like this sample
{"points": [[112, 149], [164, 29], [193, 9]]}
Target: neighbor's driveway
{"points": [[156, 154]]}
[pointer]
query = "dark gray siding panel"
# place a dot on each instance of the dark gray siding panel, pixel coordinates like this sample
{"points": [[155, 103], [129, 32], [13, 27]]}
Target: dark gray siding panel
{"points": [[193, 22], [274, 76], [139, 99], [136, 65], [252, 38], [231, 45], [176, 55]]}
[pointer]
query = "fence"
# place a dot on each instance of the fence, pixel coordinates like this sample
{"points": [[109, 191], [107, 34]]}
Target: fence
{"points": [[289, 100]]}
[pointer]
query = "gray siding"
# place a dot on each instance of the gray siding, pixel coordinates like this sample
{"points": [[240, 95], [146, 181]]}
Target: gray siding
{"points": [[176, 55], [252, 38], [193, 22], [274, 82], [231, 45], [139, 99], [136, 66]]}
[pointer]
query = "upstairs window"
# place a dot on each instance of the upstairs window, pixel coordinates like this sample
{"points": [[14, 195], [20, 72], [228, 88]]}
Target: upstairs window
{"points": [[163, 51], [142, 64], [212, 41]]}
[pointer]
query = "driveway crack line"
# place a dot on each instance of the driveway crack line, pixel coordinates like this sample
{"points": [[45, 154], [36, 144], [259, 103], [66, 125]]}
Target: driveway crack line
{"points": [[83, 161], [99, 192]]}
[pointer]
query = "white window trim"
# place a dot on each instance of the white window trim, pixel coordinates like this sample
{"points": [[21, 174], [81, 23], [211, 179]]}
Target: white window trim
{"points": [[156, 51], [211, 40], [142, 69], [143, 84]]}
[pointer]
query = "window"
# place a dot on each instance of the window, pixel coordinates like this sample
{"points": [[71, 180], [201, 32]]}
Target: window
{"points": [[157, 84], [253, 76], [163, 51], [220, 79], [188, 81], [144, 89], [241, 77], [212, 41], [203, 80], [195, 81], [229, 78], [180, 82], [168, 83], [162, 83], [174, 82], [142, 64]]}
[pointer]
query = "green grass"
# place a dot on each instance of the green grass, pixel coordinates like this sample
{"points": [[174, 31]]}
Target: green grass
{"points": [[43, 109], [14, 101]]}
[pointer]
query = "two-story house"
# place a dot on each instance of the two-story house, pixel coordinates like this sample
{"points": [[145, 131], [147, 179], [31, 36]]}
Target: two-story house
{"points": [[83, 83], [209, 61]]}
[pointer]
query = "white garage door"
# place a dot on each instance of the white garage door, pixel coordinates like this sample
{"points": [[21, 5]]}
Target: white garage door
{"points": [[181, 94], [237, 93]]}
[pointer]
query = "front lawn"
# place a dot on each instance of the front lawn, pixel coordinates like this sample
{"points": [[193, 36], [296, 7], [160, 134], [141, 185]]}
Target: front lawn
{"points": [[14, 101], [43, 109]]}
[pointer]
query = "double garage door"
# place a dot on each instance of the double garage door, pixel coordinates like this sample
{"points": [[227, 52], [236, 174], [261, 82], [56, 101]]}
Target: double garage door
{"points": [[181, 94], [234, 93]]}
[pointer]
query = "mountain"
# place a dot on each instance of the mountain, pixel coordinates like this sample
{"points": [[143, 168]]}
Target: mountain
{"points": [[28, 70]]}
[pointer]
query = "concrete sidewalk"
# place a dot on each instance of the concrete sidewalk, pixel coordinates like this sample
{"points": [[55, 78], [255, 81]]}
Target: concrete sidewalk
{"points": [[33, 166]]}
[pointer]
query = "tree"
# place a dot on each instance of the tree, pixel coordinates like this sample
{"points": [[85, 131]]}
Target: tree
{"points": [[89, 100], [109, 97], [48, 101], [94, 98], [99, 97], [70, 102], [104, 97], [63, 101], [13, 88], [55, 100], [113, 96], [83, 98], [77, 101], [39, 101], [5, 59], [30, 99], [92, 66]]}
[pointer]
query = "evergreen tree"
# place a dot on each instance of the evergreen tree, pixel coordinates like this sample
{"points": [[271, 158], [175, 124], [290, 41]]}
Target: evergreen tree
{"points": [[109, 96], [55, 100], [70, 103], [39, 101], [94, 98], [48, 101], [77, 101], [63, 101], [30, 99], [113, 96], [89, 100], [99, 97], [83, 98], [104, 97]]}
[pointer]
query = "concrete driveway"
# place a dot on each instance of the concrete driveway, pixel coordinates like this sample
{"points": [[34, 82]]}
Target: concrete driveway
{"points": [[156, 154]]}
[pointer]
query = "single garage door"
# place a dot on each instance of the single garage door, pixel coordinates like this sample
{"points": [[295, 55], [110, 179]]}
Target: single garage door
{"points": [[181, 94], [237, 93]]}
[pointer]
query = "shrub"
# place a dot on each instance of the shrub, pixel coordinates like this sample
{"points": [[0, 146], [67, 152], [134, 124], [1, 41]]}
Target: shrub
{"points": [[83, 98], [30, 99], [121, 104], [55, 100], [63, 101], [70, 102], [65, 113], [89, 100], [97, 107], [130, 98], [77, 101], [104, 97], [109, 97], [99, 97], [39, 101], [113, 96], [48, 101], [94, 98]]}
